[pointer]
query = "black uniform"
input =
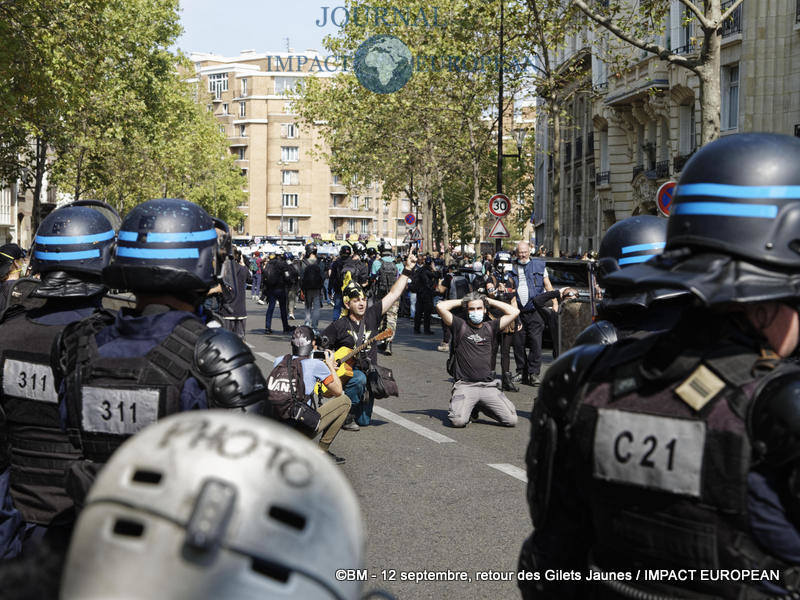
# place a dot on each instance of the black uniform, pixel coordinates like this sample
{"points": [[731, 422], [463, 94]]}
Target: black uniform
{"points": [[426, 288]]}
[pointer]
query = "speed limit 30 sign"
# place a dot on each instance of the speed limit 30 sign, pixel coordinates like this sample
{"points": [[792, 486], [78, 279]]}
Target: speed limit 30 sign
{"points": [[499, 205]]}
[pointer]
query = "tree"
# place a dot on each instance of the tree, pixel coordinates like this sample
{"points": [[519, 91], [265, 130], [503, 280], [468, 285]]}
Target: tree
{"points": [[635, 24], [432, 128], [547, 28]]}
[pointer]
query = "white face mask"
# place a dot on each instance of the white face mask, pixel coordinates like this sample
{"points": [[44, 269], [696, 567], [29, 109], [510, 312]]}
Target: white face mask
{"points": [[476, 316]]}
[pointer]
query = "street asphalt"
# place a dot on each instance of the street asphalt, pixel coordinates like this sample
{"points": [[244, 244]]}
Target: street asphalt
{"points": [[437, 501]]}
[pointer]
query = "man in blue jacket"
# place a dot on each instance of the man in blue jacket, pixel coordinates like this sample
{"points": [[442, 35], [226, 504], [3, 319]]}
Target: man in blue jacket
{"points": [[530, 280]]}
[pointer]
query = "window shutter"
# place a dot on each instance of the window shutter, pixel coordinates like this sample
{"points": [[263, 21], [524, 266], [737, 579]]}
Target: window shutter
{"points": [[675, 13]]}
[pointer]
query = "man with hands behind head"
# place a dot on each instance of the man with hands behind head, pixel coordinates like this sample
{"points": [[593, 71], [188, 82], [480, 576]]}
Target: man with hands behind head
{"points": [[473, 373]]}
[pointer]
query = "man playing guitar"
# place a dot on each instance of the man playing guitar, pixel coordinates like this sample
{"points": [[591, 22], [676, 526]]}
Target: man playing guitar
{"points": [[357, 325]]}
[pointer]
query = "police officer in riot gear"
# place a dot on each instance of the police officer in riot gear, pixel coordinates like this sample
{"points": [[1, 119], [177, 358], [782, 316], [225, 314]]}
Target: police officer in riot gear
{"points": [[624, 312], [71, 247], [119, 374], [678, 450]]}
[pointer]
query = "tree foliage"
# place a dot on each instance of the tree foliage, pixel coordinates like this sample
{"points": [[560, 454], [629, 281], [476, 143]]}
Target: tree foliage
{"points": [[95, 96], [437, 129]]}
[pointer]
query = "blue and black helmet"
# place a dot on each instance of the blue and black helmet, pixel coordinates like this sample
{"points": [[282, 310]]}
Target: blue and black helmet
{"points": [[167, 245], [733, 235], [631, 241], [75, 239], [740, 196]]}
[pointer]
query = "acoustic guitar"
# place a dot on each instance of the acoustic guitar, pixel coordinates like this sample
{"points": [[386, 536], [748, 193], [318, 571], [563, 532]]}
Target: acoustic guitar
{"points": [[345, 356]]}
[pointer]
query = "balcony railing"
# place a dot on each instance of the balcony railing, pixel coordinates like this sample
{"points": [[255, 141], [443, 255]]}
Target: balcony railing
{"points": [[678, 162], [636, 170], [602, 178], [662, 169], [734, 23]]}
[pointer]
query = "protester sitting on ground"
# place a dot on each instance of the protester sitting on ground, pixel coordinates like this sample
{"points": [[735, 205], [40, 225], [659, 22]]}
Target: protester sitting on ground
{"points": [[291, 390], [474, 383]]}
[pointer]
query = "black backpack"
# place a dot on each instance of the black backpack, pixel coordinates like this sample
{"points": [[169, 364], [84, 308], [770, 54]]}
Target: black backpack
{"points": [[459, 287], [273, 276], [385, 278], [312, 276], [287, 395]]}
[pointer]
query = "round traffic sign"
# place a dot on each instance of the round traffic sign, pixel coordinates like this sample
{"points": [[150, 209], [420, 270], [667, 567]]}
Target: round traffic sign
{"points": [[499, 205], [410, 219], [664, 197]]}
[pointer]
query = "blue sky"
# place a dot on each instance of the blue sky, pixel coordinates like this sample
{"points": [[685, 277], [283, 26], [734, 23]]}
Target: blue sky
{"points": [[227, 28]]}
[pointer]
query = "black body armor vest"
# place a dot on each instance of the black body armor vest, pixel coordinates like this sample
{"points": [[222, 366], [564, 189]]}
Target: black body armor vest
{"points": [[667, 459], [39, 451], [110, 399]]}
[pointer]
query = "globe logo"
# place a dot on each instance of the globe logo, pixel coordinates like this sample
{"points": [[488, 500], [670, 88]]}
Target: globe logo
{"points": [[383, 64]]}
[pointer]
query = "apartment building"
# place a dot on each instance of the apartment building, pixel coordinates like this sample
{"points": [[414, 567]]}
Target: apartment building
{"points": [[291, 192], [641, 125]]}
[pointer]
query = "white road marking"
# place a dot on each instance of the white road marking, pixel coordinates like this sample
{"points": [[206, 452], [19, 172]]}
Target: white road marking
{"points": [[415, 427], [249, 345], [515, 472], [266, 355]]}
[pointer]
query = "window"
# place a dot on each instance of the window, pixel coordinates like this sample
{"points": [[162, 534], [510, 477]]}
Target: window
{"points": [[290, 200], [405, 205], [730, 97], [218, 83], [240, 227], [335, 179], [225, 108], [242, 109], [290, 177], [244, 87], [290, 225], [364, 226], [354, 202], [285, 84], [210, 107], [351, 226], [291, 130], [242, 131], [687, 129], [385, 209], [244, 172], [241, 154], [222, 129], [290, 153], [367, 203]]}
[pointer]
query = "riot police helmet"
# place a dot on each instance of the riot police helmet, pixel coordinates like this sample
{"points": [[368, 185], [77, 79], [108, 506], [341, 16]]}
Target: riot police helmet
{"points": [[168, 246], [631, 241], [732, 234], [372, 252], [359, 249], [177, 512], [310, 249], [72, 246], [345, 251], [385, 248]]}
